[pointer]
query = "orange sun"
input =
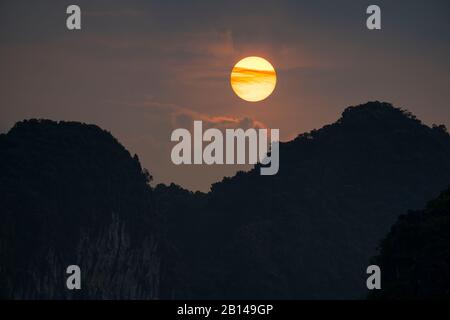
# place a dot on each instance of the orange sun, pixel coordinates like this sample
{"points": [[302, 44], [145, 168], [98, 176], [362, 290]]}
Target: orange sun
{"points": [[253, 79]]}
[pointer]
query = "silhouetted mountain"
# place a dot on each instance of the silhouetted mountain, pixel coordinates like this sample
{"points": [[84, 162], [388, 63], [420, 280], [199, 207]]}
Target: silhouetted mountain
{"points": [[71, 194], [309, 231], [415, 256]]}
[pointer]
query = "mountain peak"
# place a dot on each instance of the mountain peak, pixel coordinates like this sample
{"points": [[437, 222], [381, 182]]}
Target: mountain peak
{"points": [[376, 111]]}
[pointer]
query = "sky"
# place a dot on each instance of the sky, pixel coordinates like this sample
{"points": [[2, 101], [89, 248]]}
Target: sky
{"points": [[141, 69]]}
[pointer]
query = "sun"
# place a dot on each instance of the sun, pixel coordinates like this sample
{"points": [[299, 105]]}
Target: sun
{"points": [[253, 79]]}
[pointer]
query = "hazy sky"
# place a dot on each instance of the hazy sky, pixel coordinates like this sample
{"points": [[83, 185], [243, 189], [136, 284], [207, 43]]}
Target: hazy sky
{"points": [[143, 68]]}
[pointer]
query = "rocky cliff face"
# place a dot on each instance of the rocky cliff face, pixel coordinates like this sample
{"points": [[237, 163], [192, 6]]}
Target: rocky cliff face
{"points": [[110, 267], [72, 195]]}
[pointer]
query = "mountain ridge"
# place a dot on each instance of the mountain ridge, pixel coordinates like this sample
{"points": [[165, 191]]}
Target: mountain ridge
{"points": [[346, 176], [306, 233]]}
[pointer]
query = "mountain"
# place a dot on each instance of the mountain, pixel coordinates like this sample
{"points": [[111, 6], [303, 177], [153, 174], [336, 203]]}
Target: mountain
{"points": [[309, 231], [71, 194], [414, 258]]}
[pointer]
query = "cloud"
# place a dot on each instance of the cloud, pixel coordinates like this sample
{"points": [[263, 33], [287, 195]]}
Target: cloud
{"points": [[182, 117]]}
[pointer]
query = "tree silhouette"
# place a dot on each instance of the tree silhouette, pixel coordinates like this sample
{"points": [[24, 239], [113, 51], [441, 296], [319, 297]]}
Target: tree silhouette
{"points": [[415, 255]]}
